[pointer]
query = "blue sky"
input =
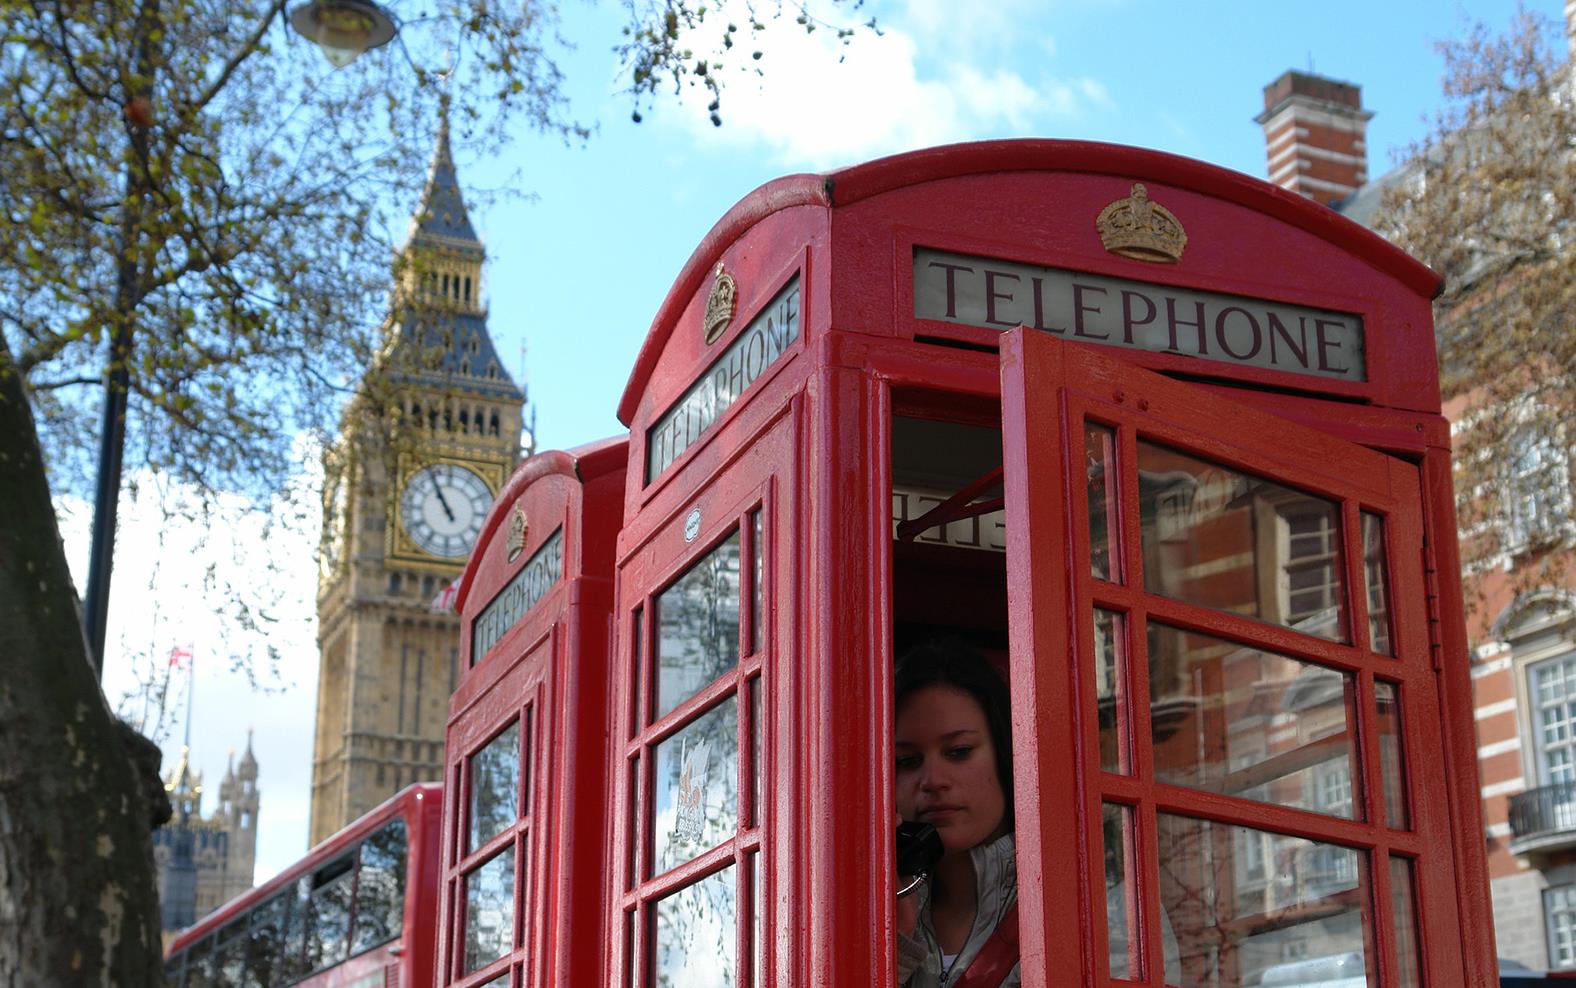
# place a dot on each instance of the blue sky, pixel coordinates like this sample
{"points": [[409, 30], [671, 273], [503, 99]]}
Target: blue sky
{"points": [[578, 267]]}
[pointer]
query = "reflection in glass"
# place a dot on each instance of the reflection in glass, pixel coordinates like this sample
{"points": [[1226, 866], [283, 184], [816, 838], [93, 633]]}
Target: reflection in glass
{"points": [[758, 595], [1408, 968], [489, 910], [756, 733], [501, 981], [698, 626], [328, 920], [495, 781], [1120, 892], [695, 932], [1297, 920], [757, 931], [380, 888], [1375, 574], [1241, 721], [1219, 538], [1392, 760], [268, 935], [1110, 666], [230, 956], [697, 803], [1099, 457]]}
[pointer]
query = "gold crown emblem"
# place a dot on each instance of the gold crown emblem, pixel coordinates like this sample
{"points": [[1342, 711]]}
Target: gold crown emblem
{"points": [[719, 305], [517, 530], [1143, 230]]}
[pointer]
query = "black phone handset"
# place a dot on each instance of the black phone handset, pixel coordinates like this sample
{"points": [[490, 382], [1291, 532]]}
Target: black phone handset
{"points": [[918, 849]]}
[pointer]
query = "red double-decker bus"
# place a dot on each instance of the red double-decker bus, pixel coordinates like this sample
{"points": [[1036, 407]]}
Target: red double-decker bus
{"points": [[359, 911]]}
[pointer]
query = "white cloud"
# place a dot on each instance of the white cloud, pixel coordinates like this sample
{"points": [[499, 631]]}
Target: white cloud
{"points": [[822, 103], [162, 596]]}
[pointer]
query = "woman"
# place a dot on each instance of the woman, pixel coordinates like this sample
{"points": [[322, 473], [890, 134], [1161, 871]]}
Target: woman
{"points": [[954, 771]]}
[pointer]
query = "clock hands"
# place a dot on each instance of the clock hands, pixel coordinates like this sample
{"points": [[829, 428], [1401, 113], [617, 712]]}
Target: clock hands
{"points": [[438, 490]]}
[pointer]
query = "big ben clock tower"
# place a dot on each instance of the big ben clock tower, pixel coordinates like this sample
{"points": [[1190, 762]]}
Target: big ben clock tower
{"points": [[424, 448]]}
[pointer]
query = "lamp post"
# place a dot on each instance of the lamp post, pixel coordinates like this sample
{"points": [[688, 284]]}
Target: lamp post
{"points": [[344, 28]]}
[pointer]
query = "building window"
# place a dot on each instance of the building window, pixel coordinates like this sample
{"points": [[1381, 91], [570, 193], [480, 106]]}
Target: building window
{"points": [[1537, 488], [1313, 586], [1559, 910], [1554, 713]]}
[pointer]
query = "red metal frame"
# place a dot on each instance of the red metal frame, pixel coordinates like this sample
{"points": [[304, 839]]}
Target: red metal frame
{"points": [[410, 956]]}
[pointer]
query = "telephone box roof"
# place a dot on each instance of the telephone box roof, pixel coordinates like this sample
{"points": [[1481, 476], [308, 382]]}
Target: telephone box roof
{"points": [[582, 463], [847, 186]]}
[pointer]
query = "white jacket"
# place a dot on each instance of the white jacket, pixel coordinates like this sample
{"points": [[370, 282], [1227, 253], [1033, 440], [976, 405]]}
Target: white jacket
{"points": [[996, 889]]}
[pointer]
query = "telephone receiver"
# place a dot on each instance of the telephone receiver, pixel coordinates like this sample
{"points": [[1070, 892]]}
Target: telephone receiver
{"points": [[919, 847]]}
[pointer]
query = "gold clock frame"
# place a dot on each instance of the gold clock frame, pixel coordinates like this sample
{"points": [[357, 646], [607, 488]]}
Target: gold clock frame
{"points": [[398, 546]]}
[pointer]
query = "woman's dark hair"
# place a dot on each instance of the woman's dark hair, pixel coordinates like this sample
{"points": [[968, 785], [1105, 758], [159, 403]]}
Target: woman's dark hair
{"points": [[954, 663]]}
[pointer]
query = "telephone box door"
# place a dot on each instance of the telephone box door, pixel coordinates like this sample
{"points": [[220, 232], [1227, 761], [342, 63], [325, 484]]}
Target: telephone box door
{"points": [[1227, 727]]}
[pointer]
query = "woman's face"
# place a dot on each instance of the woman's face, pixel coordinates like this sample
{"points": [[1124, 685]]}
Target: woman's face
{"points": [[946, 767]]}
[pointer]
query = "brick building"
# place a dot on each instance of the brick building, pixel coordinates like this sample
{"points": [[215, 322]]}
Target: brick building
{"points": [[1523, 638]]}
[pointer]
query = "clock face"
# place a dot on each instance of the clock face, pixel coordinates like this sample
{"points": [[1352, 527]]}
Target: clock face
{"points": [[442, 509]]}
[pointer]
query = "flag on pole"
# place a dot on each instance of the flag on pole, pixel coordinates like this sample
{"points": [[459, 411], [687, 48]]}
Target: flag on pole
{"points": [[181, 656], [444, 602]]}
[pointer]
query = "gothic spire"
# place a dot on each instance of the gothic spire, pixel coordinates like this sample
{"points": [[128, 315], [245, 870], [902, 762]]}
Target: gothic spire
{"points": [[441, 219]]}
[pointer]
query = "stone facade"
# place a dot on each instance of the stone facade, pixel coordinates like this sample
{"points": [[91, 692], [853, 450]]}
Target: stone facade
{"points": [[201, 861]]}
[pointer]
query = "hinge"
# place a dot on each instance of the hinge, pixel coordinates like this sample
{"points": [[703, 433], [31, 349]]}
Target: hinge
{"points": [[1436, 646]]}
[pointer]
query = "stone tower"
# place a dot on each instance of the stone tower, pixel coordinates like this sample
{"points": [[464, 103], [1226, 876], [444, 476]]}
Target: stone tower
{"points": [[425, 446], [204, 862]]}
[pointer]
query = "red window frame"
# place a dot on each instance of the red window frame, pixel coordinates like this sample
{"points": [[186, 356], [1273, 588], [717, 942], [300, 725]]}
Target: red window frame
{"points": [[1050, 389], [638, 887]]}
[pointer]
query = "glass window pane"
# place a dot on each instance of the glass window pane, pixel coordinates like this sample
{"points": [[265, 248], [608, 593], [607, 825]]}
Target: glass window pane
{"points": [[1301, 924], [1099, 461], [1110, 671], [1559, 907], [1376, 574], [380, 889], [501, 981], [230, 957], [1220, 538], [268, 929], [1244, 722], [1392, 754], [495, 786], [757, 731], [489, 910], [328, 922], [1121, 894], [698, 626], [756, 631], [757, 930], [292, 959], [197, 965], [695, 932], [697, 803], [1408, 966]]}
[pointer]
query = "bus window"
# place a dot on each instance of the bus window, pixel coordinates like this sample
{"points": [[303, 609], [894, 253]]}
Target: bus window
{"points": [[197, 961], [380, 888], [328, 922], [268, 928], [230, 957], [175, 970]]}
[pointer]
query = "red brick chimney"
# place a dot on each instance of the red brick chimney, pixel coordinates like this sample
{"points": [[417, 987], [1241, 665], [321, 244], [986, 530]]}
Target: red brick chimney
{"points": [[1314, 135]]}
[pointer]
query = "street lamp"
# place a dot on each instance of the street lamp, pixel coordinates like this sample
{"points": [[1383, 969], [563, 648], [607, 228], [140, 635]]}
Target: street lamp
{"points": [[344, 28]]}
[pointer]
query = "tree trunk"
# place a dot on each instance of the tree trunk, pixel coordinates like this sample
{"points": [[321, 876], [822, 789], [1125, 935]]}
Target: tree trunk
{"points": [[78, 901]]}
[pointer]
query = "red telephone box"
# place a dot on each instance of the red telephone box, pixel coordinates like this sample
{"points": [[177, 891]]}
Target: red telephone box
{"points": [[1167, 437], [525, 743], [1162, 438]]}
